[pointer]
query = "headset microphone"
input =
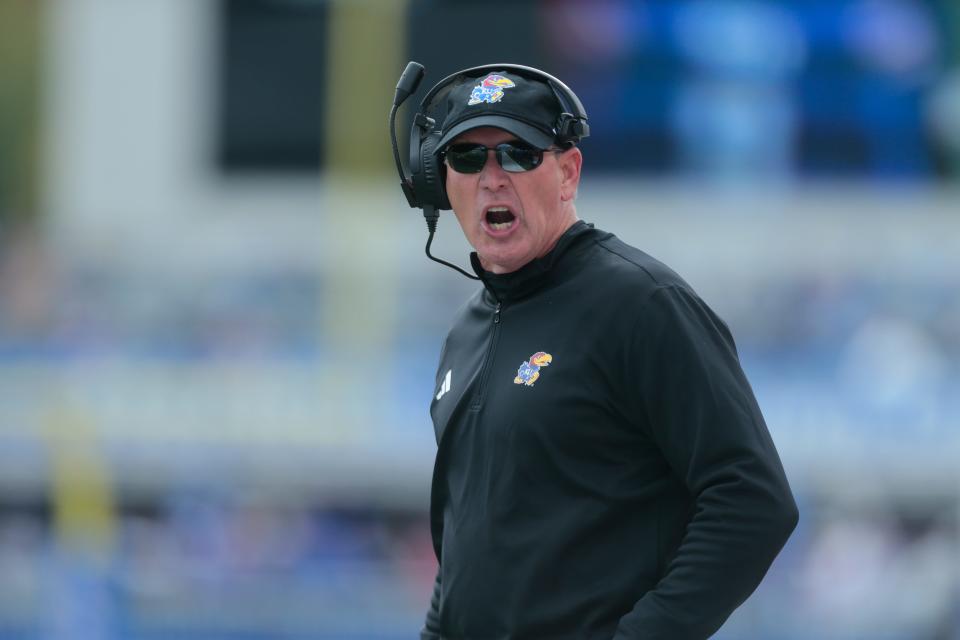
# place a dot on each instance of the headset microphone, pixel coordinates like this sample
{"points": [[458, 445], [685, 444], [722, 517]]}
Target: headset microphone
{"points": [[426, 178], [408, 83]]}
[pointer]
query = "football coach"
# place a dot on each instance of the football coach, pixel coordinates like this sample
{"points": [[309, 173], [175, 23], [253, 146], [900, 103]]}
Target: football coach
{"points": [[603, 469]]}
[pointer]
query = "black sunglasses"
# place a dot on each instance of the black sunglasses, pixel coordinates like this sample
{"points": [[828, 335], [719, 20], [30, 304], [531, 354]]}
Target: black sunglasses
{"points": [[469, 157]]}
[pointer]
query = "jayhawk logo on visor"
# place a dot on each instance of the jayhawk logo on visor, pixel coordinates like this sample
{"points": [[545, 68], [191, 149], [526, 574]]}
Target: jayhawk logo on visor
{"points": [[529, 371], [490, 89]]}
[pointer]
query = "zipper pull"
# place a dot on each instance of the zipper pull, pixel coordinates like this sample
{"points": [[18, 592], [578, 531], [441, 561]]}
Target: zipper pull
{"points": [[496, 315]]}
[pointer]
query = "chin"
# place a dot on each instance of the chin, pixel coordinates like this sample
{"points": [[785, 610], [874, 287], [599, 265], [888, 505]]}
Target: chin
{"points": [[507, 263], [509, 255]]}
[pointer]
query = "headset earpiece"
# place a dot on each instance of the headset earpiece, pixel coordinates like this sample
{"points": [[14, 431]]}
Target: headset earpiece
{"points": [[428, 180], [425, 171]]}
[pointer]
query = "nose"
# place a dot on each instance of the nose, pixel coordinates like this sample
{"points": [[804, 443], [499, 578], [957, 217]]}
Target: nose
{"points": [[492, 176]]}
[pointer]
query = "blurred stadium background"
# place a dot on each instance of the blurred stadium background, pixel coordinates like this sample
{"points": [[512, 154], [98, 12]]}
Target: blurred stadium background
{"points": [[218, 331]]}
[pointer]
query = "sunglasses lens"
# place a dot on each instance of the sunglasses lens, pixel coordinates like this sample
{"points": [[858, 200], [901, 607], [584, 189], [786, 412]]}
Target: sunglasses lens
{"points": [[516, 159], [467, 158], [470, 158]]}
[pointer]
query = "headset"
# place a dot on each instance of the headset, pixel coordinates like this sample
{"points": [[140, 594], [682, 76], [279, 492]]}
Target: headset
{"points": [[424, 185]]}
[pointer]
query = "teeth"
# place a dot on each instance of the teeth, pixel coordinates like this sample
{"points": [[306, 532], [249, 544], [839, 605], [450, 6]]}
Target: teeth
{"points": [[500, 218]]}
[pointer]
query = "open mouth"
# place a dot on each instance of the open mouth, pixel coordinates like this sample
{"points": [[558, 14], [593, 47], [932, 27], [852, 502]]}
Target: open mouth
{"points": [[499, 218]]}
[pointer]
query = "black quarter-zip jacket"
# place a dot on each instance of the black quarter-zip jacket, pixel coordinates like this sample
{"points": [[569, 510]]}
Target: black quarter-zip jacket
{"points": [[603, 469]]}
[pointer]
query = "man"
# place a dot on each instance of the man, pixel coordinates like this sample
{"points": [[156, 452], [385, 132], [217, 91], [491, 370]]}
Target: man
{"points": [[603, 470]]}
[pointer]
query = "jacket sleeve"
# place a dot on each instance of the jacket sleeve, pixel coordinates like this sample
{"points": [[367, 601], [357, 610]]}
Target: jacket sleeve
{"points": [[702, 414], [431, 627]]}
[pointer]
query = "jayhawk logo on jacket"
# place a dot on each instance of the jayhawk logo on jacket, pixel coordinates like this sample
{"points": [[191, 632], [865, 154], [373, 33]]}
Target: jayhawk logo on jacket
{"points": [[529, 371], [490, 89]]}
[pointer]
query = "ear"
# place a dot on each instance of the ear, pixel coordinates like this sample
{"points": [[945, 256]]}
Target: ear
{"points": [[570, 162]]}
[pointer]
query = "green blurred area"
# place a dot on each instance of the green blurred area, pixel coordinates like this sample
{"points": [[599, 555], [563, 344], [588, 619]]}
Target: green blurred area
{"points": [[21, 62]]}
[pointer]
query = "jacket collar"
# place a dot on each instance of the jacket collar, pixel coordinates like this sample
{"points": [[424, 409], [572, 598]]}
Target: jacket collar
{"points": [[536, 273]]}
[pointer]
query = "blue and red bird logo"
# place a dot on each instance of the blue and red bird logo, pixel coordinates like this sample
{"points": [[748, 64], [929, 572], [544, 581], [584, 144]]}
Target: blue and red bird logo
{"points": [[529, 371], [490, 89]]}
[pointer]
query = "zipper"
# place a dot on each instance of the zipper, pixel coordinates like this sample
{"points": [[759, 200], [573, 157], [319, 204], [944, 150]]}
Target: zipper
{"points": [[491, 347]]}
